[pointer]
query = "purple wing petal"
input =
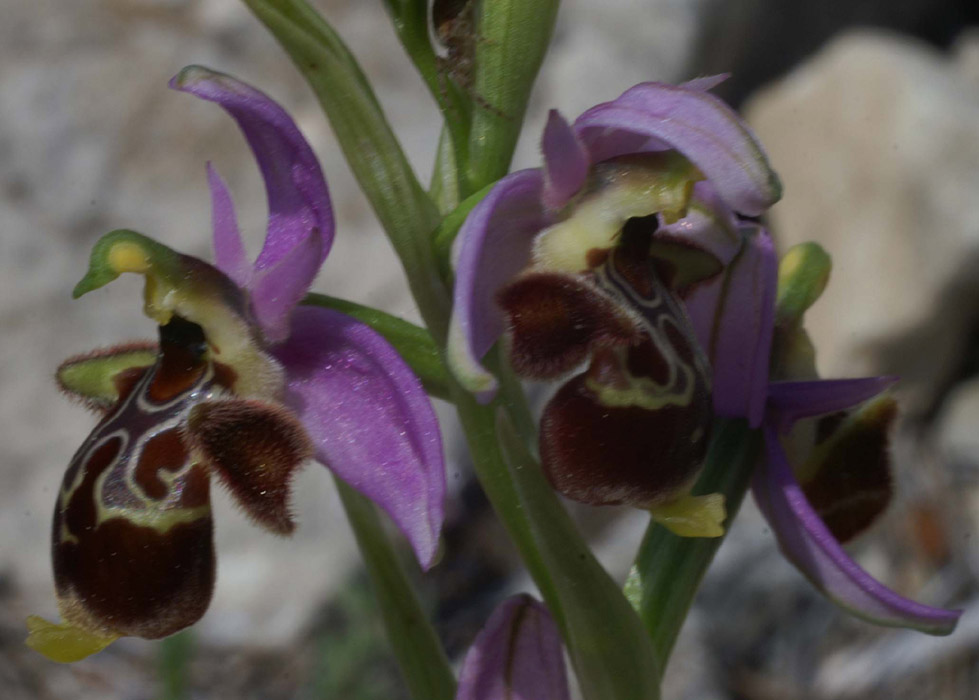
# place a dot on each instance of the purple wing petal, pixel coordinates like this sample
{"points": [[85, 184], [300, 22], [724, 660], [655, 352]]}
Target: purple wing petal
{"points": [[734, 318], [274, 289], [229, 251], [790, 401], [494, 245], [807, 542], [709, 225], [565, 162], [705, 83], [516, 656], [657, 116], [299, 202], [369, 418]]}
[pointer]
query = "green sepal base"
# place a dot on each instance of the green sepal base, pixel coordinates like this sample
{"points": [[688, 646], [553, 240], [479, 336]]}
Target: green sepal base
{"points": [[91, 377]]}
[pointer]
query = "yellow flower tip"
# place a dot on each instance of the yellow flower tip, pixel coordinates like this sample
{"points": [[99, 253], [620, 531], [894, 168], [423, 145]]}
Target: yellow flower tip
{"points": [[64, 643], [692, 516], [127, 256]]}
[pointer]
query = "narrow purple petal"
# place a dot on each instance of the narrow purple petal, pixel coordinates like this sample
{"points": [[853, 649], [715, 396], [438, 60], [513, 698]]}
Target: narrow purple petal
{"points": [[806, 541], [565, 162], [299, 202], [705, 83], [790, 401], [709, 225], [229, 251], [369, 419], [734, 318], [516, 656], [494, 245], [277, 289], [658, 116]]}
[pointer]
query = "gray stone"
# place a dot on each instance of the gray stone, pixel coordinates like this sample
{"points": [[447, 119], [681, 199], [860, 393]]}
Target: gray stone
{"points": [[877, 143]]}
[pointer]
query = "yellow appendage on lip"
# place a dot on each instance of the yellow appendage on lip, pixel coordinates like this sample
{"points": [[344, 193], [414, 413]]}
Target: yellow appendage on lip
{"points": [[692, 516], [63, 643]]}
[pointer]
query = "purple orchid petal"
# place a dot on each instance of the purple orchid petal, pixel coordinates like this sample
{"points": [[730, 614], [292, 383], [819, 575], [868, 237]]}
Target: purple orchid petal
{"points": [[565, 162], [734, 318], [807, 542], [369, 418], [657, 116], [274, 290], [494, 245], [707, 82], [790, 401], [709, 226], [516, 656], [298, 199], [229, 250]]}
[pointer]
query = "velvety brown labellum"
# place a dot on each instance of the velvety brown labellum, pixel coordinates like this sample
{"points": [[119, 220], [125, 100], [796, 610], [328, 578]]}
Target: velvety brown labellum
{"points": [[256, 449], [599, 455], [556, 320], [132, 537], [849, 475], [633, 428]]}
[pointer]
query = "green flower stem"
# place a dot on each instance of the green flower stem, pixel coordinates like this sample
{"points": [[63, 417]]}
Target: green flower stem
{"points": [[414, 344], [446, 186], [416, 646], [410, 19], [173, 663], [512, 38], [403, 207], [669, 568], [612, 654]]}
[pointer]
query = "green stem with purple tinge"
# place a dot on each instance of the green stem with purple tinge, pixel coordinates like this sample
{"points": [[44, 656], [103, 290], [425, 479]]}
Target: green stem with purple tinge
{"points": [[669, 568]]}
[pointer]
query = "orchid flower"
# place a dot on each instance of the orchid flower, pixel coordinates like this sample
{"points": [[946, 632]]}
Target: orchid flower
{"points": [[244, 384], [516, 656], [582, 261], [840, 480]]}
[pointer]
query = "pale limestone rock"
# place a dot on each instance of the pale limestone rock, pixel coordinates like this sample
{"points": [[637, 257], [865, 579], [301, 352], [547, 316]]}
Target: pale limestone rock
{"points": [[958, 425], [877, 143]]}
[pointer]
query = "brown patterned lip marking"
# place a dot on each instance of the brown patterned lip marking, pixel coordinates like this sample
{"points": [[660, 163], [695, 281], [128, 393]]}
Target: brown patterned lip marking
{"points": [[632, 429], [79, 513], [556, 320], [132, 540], [182, 365], [601, 455], [134, 581], [164, 451], [849, 483]]}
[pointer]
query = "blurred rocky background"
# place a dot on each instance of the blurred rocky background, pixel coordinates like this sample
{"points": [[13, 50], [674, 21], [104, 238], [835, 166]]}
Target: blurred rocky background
{"points": [[869, 110]]}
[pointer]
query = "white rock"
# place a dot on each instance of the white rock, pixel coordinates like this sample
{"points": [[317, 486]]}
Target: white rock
{"points": [[877, 143]]}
